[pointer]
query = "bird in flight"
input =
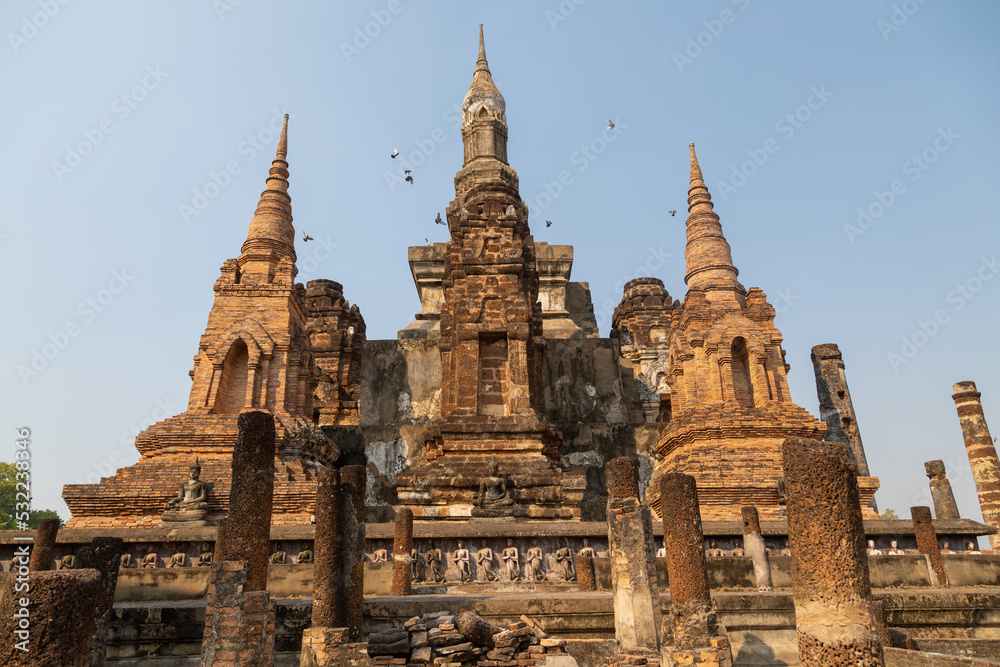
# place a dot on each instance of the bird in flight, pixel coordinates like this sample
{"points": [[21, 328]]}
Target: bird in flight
{"points": [[548, 223], [428, 241], [306, 237], [610, 126], [438, 220], [673, 213], [394, 153], [408, 177]]}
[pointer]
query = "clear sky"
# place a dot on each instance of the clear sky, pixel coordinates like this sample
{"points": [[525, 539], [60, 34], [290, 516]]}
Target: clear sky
{"points": [[851, 149]]}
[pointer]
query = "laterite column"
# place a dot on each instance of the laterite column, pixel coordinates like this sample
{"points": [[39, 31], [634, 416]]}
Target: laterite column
{"points": [[833, 596], [982, 454]]}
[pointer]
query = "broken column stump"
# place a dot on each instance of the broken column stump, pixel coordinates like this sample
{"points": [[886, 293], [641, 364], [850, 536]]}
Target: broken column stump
{"points": [[945, 506], [585, 579], [927, 544], [105, 557], [692, 633], [44, 545], [833, 598], [753, 546], [633, 572], [982, 454], [239, 613], [56, 625], [402, 545]]}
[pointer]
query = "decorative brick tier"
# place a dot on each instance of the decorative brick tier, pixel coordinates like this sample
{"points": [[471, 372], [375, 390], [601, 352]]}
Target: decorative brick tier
{"points": [[135, 496], [735, 454]]}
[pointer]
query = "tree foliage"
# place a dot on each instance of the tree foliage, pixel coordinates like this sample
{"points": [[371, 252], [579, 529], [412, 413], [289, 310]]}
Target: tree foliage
{"points": [[9, 500], [889, 513]]}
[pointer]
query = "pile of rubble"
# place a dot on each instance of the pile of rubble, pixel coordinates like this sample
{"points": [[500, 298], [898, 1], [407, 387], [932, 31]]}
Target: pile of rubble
{"points": [[442, 639]]}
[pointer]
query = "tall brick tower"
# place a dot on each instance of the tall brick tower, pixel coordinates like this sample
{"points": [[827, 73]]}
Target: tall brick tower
{"points": [[255, 354], [729, 401], [491, 342]]}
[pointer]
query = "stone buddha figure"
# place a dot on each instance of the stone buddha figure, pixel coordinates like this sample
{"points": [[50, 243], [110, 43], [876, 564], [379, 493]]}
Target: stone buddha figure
{"points": [[564, 556], [487, 561], [205, 557], [191, 501], [461, 559], [493, 490]]}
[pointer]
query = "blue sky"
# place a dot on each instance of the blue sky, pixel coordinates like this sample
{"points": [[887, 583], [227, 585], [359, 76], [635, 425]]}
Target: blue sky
{"points": [[851, 150]]}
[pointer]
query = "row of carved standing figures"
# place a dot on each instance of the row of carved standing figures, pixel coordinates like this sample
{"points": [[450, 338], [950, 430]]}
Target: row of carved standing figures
{"points": [[894, 550], [507, 565]]}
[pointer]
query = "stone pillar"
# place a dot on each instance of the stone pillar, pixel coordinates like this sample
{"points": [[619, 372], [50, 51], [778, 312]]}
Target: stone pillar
{"points": [[105, 557], [239, 614], [352, 483], [633, 569], [835, 407], [693, 630], [246, 533], [328, 603], [60, 618], [239, 623], [585, 580], [944, 500], [402, 545], [753, 546], [321, 641], [44, 545], [982, 454], [927, 543], [832, 589]]}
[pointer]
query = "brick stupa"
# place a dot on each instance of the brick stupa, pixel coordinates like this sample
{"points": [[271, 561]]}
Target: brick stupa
{"points": [[492, 345], [268, 345], [716, 369]]}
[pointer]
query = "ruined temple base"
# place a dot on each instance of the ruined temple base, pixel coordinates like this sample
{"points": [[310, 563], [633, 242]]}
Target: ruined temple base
{"points": [[447, 489], [326, 647], [459, 459], [717, 654]]}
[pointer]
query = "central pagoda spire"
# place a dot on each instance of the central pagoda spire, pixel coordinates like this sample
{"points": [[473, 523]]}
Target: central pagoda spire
{"points": [[708, 255], [484, 119], [271, 236]]}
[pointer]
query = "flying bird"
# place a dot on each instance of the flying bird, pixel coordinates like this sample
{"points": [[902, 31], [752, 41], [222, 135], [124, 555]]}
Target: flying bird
{"points": [[610, 126], [428, 240], [394, 153], [408, 178], [548, 223], [438, 220], [673, 213], [306, 237]]}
